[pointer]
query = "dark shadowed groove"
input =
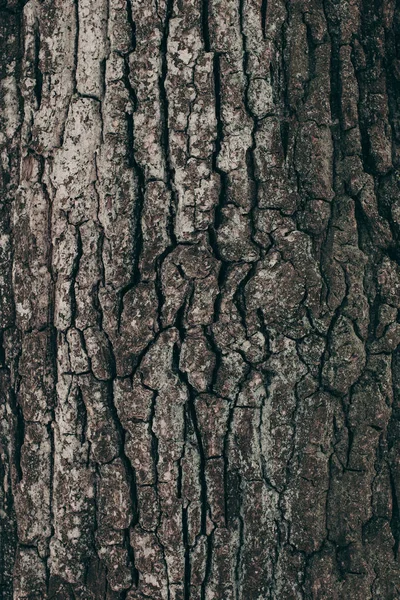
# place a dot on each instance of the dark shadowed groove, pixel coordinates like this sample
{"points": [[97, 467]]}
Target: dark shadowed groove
{"points": [[82, 418], [129, 470], [284, 127], [238, 565], [202, 477], [205, 9], [217, 149], [141, 184], [218, 358], [38, 73], [193, 417], [131, 23], [185, 535], [203, 592], [76, 46], [395, 517], [75, 271], [19, 438], [264, 9], [164, 95]]}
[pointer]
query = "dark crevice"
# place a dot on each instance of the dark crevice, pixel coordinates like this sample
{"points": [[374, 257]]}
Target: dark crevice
{"points": [[163, 94], [350, 441], [218, 358], [239, 297], [74, 274], [364, 229], [251, 169], [264, 9], [103, 65], [76, 45], [2, 351], [239, 557], [185, 533], [231, 478], [217, 149], [138, 206], [205, 24], [222, 275], [363, 104], [327, 353], [19, 438], [192, 424], [137, 219], [180, 468], [154, 440], [265, 333], [90, 97], [50, 432], [193, 418], [38, 72], [81, 417], [129, 470], [393, 253], [203, 593], [395, 518], [131, 23], [284, 128]]}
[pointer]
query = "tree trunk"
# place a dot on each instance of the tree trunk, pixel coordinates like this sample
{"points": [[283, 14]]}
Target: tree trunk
{"points": [[200, 286]]}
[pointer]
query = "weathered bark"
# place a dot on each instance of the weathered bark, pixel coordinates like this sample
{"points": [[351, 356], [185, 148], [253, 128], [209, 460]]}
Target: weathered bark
{"points": [[199, 296]]}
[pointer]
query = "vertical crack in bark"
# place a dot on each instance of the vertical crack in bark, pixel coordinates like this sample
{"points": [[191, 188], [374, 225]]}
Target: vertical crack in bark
{"points": [[139, 203], [53, 358], [164, 96], [264, 10], [217, 150], [395, 518], [209, 562], [38, 73], [19, 438], [192, 415], [76, 49], [132, 24], [138, 235], [74, 273], [205, 29], [185, 536], [239, 557], [130, 475]]}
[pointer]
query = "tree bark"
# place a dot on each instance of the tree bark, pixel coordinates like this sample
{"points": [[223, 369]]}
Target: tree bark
{"points": [[199, 299]]}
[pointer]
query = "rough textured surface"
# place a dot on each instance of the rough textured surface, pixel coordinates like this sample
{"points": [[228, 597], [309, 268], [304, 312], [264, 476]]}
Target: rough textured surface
{"points": [[199, 299]]}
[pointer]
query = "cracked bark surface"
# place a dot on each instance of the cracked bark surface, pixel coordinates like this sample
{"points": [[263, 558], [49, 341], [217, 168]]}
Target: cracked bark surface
{"points": [[199, 299]]}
